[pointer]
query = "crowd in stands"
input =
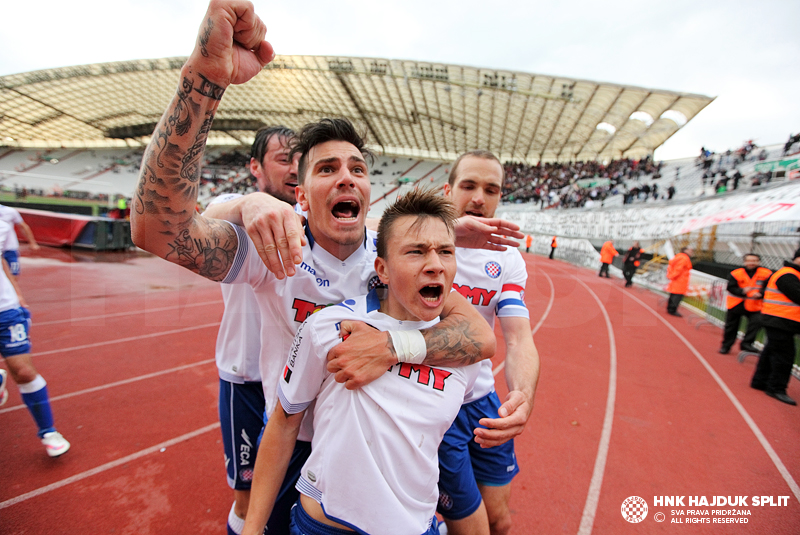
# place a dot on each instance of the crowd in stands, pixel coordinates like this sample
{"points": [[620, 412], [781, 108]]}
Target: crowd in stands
{"points": [[558, 183]]}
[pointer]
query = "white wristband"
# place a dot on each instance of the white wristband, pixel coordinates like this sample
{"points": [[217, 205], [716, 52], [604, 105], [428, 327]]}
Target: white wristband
{"points": [[409, 346]]}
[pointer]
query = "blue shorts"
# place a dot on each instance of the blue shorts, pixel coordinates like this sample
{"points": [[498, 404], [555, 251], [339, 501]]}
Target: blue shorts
{"points": [[463, 463], [241, 417], [14, 327], [303, 524], [12, 258]]}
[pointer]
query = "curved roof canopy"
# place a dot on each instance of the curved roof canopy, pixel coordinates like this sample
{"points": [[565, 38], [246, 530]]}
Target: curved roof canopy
{"points": [[410, 108]]}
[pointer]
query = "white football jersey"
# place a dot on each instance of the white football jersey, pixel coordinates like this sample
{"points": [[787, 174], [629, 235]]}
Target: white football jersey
{"points": [[494, 282], [238, 348], [321, 280], [8, 296], [12, 217], [374, 455]]}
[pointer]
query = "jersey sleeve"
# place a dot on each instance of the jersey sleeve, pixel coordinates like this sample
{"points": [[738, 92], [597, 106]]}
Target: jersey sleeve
{"points": [[306, 365], [247, 267], [225, 197], [512, 293]]}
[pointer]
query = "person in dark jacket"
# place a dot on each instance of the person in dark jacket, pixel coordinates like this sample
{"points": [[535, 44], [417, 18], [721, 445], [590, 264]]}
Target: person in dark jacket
{"points": [[781, 319], [745, 294], [630, 263]]}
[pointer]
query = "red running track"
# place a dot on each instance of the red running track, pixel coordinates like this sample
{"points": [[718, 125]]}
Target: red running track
{"points": [[631, 402]]}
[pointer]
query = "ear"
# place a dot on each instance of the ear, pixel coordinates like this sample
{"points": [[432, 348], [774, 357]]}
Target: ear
{"points": [[382, 269], [446, 189], [302, 198], [255, 168]]}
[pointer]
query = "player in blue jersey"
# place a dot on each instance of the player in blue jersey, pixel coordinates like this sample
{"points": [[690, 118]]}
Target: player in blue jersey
{"points": [[476, 458]]}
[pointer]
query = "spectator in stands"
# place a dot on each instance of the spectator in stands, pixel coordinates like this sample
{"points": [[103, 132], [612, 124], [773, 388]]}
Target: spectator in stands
{"points": [[670, 191], [15, 348], [11, 246], [607, 254], [781, 319], [630, 263], [678, 272], [745, 298]]}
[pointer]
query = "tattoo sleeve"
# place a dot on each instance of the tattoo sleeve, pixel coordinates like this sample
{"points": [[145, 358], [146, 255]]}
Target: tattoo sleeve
{"points": [[453, 343], [164, 218]]}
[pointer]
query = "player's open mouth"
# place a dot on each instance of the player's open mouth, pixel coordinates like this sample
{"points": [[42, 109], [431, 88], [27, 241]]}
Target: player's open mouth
{"points": [[431, 293], [292, 184], [346, 210], [475, 213]]}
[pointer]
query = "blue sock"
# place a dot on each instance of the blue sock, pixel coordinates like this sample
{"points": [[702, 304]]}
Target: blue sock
{"points": [[34, 394]]}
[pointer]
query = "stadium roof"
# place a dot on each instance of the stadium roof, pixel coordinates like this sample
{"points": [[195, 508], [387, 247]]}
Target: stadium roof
{"points": [[410, 108]]}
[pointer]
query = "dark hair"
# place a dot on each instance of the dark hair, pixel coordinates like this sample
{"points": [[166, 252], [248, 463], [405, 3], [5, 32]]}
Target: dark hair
{"points": [[796, 254], [324, 130], [479, 153], [751, 254], [259, 148], [422, 203]]}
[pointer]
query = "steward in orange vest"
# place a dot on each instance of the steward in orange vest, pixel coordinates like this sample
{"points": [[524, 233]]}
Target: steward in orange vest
{"points": [[553, 246], [781, 319], [678, 272], [745, 293], [528, 241], [607, 254]]}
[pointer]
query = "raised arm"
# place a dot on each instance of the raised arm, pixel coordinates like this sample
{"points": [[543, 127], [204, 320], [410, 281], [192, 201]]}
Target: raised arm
{"points": [[230, 49], [486, 233], [522, 375], [461, 338]]}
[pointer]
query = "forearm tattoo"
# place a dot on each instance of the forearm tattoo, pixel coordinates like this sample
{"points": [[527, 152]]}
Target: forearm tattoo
{"points": [[209, 257], [455, 344], [169, 178]]}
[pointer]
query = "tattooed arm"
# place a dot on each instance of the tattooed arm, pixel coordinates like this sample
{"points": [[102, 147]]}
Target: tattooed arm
{"points": [[230, 50], [461, 338]]}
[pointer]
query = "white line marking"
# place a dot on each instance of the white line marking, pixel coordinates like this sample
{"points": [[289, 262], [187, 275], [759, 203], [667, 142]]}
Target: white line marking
{"points": [[593, 497], [129, 339], [118, 314], [502, 365], [118, 383], [739, 407], [107, 466]]}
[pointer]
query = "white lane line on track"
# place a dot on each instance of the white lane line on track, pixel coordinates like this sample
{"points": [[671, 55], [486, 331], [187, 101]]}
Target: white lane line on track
{"points": [[593, 497], [118, 383], [120, 314], [739, 407], [123, 340], [107, 466], [502, 365]]}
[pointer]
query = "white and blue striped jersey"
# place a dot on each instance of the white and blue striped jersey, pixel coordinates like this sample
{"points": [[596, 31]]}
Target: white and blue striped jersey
{"points": [[375, 445], [12, 217], [494, 282], [8, 296]]}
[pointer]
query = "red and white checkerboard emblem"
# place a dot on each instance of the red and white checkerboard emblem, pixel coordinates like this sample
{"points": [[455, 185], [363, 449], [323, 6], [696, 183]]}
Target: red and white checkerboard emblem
{"points": [[634, 509], [492, 269]]}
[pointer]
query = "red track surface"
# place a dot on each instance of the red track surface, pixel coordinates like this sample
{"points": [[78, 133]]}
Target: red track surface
{"points": [[624, 408]]}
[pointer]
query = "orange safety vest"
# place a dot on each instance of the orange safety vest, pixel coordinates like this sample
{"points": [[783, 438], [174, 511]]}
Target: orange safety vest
{"points": [[553, 243], [528, 240], [777, 304], [607, 253], [751, 287]]}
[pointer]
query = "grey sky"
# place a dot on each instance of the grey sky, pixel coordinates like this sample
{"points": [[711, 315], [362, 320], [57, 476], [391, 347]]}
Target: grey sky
{"points": [[744, 53]]}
